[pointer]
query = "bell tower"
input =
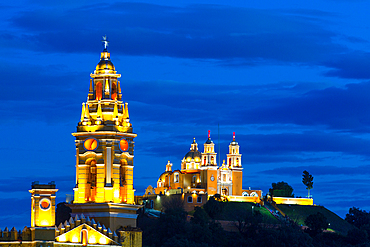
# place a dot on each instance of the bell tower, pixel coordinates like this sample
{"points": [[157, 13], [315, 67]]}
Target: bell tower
{"points": [[105, 150], [104, 140], [209, 166], [234, 163]]}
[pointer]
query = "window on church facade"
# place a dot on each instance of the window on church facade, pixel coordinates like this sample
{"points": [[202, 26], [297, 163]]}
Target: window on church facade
{"points": [[114, 91], [199, 199], [254, 194], [190, 199], [98, 91]]}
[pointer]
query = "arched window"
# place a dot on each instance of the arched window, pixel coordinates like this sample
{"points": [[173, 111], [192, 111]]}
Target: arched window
{"points": [[190, 199], [98, 90], [114, 90], [84, 235], [245, 193], [176, 178], [91, 166], [194, 178], [199, 199], [254, 194], [123, 171]]}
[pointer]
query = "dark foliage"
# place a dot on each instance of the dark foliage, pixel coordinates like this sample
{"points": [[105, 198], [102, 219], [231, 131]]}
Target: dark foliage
{"points": [[171, 229], [213, 207], [357, 236], [281, 189], [358, 217], [316, 222]]}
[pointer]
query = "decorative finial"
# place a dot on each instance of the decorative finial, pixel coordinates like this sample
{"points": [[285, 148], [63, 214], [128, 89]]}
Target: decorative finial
{"points": [[233, 136], [209, 134], [105, 42]]}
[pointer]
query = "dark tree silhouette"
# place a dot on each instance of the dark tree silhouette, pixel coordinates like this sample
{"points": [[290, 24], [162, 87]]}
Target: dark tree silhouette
{"points": [[358, 217], [212, 207], [316, 222], [281, 189], [307, 179]]}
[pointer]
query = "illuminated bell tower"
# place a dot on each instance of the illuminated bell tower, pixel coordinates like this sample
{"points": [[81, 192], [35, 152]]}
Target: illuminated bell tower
{"points": [[104, 140], [234, 163], [43, 204], [209, 166]]}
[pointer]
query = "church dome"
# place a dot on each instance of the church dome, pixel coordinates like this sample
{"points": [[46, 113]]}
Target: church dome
{"points": [[193, 154], [209, 141], [105, 66]]}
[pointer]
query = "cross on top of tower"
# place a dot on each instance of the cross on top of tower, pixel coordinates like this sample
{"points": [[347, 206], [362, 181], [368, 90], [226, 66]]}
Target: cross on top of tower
{"points": [[105, 42], [209, 134], [233, 136]]}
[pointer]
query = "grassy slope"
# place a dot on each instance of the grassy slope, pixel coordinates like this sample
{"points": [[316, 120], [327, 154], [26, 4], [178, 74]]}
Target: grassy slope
{"points": [[232, 207], [299, 214]]}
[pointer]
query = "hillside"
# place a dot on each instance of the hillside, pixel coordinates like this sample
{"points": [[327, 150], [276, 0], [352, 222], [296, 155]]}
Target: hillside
{"points": [[299, 213], [232, 210]]}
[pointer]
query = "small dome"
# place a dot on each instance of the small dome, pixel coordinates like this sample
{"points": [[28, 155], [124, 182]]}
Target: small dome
{"points": [[105, 66], [193, 154], [209, 141]]}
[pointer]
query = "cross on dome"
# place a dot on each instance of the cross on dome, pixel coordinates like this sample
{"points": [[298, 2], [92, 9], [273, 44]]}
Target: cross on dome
{"points": [[105, 42]]}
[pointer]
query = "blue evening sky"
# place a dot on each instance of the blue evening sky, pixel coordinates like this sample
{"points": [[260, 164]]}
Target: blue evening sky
{"points": [[291, 78]]}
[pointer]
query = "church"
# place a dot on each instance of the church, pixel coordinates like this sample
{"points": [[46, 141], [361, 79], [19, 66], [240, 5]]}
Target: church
{"points": [[201, 177], [199, 172]]}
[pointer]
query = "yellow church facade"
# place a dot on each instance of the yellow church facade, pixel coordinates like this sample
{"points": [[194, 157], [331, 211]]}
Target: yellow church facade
{"points": [[200, 174]]}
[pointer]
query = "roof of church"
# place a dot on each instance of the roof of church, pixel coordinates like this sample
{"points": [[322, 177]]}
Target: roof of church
{"points": [[209, 141], [193, 153]]}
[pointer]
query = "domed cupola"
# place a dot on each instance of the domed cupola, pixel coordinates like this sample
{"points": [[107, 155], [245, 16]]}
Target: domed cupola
{"points": [[193, 153], [192, 158]]}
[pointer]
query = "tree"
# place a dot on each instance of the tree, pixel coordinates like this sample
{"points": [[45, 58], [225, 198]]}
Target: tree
{"points": [[212, 207], [200, 217], [316, 222], [307, 179], [358, 217], [281, 189]]}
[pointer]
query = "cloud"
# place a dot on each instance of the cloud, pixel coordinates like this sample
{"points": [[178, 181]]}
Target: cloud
{"points": [[235, 36], [338, 108]]}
